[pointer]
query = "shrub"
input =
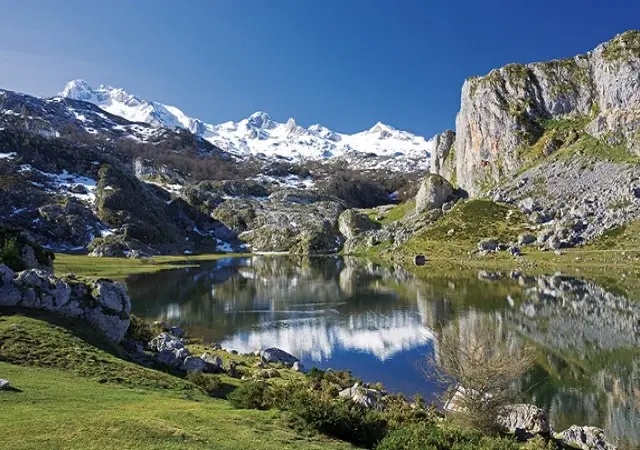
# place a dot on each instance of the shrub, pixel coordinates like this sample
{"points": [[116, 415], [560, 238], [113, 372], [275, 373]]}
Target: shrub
{"points": [[428, 436], [251, 395], [208, 383], [338, 419], [10, 255], [139, 330]]}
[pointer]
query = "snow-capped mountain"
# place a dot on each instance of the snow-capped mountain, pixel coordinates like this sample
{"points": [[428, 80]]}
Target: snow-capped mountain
{"points": [[259, 134]]}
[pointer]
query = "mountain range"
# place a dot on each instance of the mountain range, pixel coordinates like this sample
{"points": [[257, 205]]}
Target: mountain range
{"points": [[259, 134]]}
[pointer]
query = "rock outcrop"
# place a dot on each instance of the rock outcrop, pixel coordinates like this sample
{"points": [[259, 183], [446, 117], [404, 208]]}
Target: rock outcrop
{"points": [[434, 192], [102, 303], [442, 159], [509, 110], [352, 222], [584, 438], [523, 420]]}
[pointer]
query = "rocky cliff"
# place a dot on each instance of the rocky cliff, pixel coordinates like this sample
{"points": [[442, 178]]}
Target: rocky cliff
{"points": [[518, 114]]}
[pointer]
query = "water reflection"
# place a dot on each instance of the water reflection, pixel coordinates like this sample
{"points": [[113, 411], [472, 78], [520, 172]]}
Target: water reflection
{"points": [[380, 322]]}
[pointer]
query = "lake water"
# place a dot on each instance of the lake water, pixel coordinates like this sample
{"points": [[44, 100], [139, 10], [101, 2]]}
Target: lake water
{"points": [[383, 324]]}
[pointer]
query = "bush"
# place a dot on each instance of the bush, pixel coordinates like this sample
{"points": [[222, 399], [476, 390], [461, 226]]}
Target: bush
{"points": [[208, 383], [338, 419], [251, 395], [139, 330], [10, 255], [428, 436]]}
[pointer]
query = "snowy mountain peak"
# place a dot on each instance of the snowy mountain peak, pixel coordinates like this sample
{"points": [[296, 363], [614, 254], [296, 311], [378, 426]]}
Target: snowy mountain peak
{"points": [[259, 134]]}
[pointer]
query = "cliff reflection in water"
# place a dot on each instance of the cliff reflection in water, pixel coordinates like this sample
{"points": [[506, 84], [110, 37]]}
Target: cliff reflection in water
{"points": [[381, 321]]}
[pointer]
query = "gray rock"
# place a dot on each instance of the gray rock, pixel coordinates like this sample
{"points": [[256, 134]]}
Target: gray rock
{"points": [[104, 304], [4, 384], [78, 189], [193, 364], [442, 161], [172, 357], [514, 251], [213, 363], [419, 260], [434, 192], [351, 223], [6, 275], [165, 341], [526, 239], [523, 420], [369, 398], [584, 438], [275, 355], [177, 332], [488, 245]]}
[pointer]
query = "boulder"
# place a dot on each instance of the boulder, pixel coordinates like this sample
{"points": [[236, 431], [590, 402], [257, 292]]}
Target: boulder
{"points": [[526, 239], [434, 192], [232, 370], [104, 304], [514, 251], [177, 332], [523, 420], [193, 364], [584, 438], [369, 398], [172, 357], [165, 341], [419, 260], [266, 374], [4, 384], [488, 245], [351, 223], [275, 355], [213, 363]]}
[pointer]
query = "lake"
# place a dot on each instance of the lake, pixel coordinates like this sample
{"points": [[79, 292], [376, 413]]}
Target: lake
{"points": [[384, 324]]}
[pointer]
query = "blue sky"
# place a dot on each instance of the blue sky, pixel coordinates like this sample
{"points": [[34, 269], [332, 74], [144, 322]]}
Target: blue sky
{"points": [[343, 63]]}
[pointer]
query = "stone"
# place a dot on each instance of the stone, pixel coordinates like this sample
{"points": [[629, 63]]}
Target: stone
{"points": [[177, 332], [441, 161], [193, 364], [488, 245], [584, 438], [523, 420], [368, 398], [213, 363], [165, 341], [4, 384], [266, 374], [351, 223], [554, 243], [434, 192], [526, 239], [298, 367], [514, 251], [172, 357], [275, 355], [232, 370], [104, 304], [419, 260], [78, 189]]}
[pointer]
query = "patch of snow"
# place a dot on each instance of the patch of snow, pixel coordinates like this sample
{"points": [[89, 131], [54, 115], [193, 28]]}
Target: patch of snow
{"points": [[224, 247], [11, 155]]}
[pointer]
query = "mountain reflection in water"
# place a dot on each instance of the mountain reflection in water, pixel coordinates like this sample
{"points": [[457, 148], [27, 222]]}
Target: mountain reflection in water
{"points": [[382, 323]]}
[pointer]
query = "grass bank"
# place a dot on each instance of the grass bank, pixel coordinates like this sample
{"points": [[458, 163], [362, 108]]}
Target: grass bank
{"points": [[120, 268], [71, 394]]}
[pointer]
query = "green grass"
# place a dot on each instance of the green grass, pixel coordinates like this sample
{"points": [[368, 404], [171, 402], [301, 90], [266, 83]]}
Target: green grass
{"points": [[120, 268], [471, 222], [73, 395], [394, 214]]}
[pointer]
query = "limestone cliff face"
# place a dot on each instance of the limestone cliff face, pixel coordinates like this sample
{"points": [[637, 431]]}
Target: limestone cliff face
{"points": [[506, 110], [443, 155]]}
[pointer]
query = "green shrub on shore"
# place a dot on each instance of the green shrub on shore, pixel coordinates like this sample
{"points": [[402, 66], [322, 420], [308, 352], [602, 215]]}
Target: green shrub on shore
{"points": [[428, 436], [337, 419], [251, 395], [10, 256], [210, 384]]}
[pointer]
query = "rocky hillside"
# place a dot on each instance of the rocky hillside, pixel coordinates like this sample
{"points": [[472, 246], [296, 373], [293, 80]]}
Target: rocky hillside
{"points": [[509, 118]]}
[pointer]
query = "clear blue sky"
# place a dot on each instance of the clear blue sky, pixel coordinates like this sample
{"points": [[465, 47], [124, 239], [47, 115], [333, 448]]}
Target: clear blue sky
{"points": [[343, 63]]}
